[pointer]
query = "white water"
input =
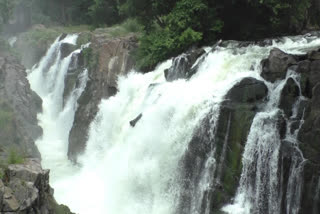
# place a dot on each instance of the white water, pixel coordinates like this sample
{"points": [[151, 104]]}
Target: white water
{"points": [[260, 172], [12, 41], [129, 170]]}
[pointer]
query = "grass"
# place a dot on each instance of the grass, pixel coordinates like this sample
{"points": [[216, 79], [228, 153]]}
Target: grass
{"points": [[15, 157], [123, 29]]}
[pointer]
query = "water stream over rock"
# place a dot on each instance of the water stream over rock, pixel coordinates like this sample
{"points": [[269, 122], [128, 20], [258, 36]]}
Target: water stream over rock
{"points": [[184, 153]]}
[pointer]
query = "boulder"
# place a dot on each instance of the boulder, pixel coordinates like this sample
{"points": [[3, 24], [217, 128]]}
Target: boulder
{"points": [[182, 65], [26, 190], [275, 67], [248, 90]]}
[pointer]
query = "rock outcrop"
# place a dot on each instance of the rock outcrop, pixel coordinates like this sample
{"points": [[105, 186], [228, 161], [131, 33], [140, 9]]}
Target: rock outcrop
{"points": [[25, 189], [308, 110], [19, 107], [298, 115], [106, 59], [309, 133], [182, 66], [226, 139], [275, 67]]}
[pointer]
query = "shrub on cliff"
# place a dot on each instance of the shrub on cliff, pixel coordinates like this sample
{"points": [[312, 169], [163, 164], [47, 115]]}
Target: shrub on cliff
{"points": [[15, 157]]}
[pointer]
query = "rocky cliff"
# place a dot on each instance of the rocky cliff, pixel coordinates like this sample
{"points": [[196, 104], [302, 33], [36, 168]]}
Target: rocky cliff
{"points": [[19, 108], [106, 58], [24, 185], [25, 189]]}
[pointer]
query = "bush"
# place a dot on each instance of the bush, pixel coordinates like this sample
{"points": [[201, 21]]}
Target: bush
{"points": [[15, 157], [132, 25], [191, 22]]}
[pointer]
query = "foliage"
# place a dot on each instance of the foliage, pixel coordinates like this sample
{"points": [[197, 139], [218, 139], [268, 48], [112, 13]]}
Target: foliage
{"points": [[172, 26], [90, 57], [15, 157], [104, 12], [45, 36], [125, 28], [283, 15], [189, 23]]}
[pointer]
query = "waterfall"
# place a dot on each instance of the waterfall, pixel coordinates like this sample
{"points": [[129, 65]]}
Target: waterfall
{"points": [[47, 79], [136, 169], [260, 184]]}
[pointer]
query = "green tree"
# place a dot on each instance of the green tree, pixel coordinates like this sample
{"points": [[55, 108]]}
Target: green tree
{"points": [[190, 22], [104, 12]]}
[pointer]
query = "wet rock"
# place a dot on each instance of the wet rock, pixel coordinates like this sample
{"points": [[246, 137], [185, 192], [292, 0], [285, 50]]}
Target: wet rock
{"points": [[275, 67], [66, 49], [289, 95], [248, 90], [314, 77], [311, 189], [314, 55], [106, 58], [282, 126], [63, 36], [303, 69], [71, 81], [134, 122], [182, 65], [224, 140]]}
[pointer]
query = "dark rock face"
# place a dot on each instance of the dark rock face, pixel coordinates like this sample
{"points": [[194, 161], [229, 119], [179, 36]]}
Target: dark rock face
{"points": [[224, 140], [182, 65], [289, 96], [75, 69], [67, 49], [248, 90], [25, 189], [19, 108], [308, 66], [275, 67], [112, 57]]}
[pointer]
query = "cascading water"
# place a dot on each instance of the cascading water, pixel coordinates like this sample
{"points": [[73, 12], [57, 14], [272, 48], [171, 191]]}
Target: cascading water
{"points": [[259, 190], [135, 170], [47, 78]]}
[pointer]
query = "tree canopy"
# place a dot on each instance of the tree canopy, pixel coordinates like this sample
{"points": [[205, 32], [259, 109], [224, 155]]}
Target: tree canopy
{"points": [[172, 26]]}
